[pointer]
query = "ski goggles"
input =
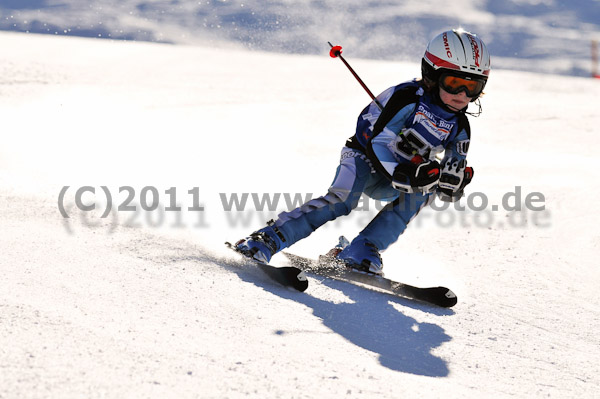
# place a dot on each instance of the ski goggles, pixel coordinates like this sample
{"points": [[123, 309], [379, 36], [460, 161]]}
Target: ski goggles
{"points": [[454, 84]]}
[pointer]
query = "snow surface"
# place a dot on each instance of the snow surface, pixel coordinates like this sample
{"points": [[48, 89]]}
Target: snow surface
{"points": [[550, 36], [151, 304]]}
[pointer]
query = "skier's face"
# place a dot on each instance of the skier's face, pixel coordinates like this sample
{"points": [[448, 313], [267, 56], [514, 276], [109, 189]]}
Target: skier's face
{"points": [[454, 101]]}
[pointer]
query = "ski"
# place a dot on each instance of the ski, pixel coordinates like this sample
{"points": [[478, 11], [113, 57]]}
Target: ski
{"points": [[328, 267], [288, 276]]}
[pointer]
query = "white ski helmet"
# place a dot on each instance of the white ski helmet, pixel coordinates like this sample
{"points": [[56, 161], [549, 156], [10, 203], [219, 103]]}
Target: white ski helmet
{"points": [[458, 52]]}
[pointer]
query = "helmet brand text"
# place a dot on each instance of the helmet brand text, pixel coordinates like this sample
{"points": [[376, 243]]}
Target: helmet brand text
{"points": [[447, 45], [475, 48]]}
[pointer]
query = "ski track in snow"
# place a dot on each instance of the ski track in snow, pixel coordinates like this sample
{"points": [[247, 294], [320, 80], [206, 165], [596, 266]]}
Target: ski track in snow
{"points": [[115, 307]]}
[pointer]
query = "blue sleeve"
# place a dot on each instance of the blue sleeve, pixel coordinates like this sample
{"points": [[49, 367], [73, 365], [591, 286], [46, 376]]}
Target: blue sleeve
{"points": [[368, 117], [370, 123], [458, 147], [399, 106], [382, 145]]}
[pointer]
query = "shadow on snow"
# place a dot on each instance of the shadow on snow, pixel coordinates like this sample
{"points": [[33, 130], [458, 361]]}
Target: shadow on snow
{"points": [[370, 321]]}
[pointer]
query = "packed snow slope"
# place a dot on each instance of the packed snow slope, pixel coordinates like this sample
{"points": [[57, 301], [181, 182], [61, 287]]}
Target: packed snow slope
{"points": [[551, 36], [147, 302]]}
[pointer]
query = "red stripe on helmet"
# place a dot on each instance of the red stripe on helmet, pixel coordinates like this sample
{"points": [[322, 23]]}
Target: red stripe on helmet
{"points": [[440, 63]]}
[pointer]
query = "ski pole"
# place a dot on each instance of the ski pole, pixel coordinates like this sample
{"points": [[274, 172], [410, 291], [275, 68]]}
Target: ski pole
{"points": [[336, 52]]}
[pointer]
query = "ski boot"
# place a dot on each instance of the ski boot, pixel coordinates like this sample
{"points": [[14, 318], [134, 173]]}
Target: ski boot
{"points": [[262, 244], [362, 255]]}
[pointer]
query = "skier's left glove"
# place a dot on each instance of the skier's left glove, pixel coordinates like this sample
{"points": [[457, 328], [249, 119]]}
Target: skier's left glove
{"points": [[455, 176], [417, 176]]}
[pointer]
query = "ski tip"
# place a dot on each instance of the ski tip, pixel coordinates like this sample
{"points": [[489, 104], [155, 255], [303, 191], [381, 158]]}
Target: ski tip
{"points": [[302, 276], [302, 284], [450, 299], [439, 296], [296, 277], [449, 294]]}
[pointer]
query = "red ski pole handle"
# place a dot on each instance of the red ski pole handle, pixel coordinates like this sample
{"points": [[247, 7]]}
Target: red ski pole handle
{"points": [[335, 52]]}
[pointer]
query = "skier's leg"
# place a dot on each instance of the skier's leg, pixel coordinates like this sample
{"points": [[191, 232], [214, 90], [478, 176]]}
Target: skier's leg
{"points": [[382, 231], [344, 194], [351, 177], [393, 219]]}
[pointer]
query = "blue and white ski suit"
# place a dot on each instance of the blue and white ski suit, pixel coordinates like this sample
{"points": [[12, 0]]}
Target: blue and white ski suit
{"points": [[410, 116]]}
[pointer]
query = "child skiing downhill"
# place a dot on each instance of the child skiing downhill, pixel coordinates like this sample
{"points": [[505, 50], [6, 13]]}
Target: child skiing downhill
{"points": [[392, 156]]}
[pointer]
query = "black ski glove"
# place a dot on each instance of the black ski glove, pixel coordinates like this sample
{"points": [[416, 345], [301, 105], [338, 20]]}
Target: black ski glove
{"points": [[455, 176], [417, 176]]}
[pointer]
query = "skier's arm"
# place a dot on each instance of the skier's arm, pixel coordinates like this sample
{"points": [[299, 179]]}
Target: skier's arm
{"points": [[459, 146], [370, 115], [455, 172], [407, 173], [398, 108], [380, 149]]}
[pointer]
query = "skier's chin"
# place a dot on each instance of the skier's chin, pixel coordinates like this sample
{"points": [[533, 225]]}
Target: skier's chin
{"points": [[456, 107]]}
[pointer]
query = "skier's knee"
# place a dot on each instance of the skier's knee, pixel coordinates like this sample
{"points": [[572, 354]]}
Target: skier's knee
{"points": [[341, 203]]}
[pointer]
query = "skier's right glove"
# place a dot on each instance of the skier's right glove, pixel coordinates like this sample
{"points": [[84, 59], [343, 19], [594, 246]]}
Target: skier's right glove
{"points": [[417, 176], [455, 176]]}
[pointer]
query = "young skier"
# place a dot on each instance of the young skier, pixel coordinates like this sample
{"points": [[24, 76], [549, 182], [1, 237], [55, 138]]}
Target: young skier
{"points": [[392, 156]]}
